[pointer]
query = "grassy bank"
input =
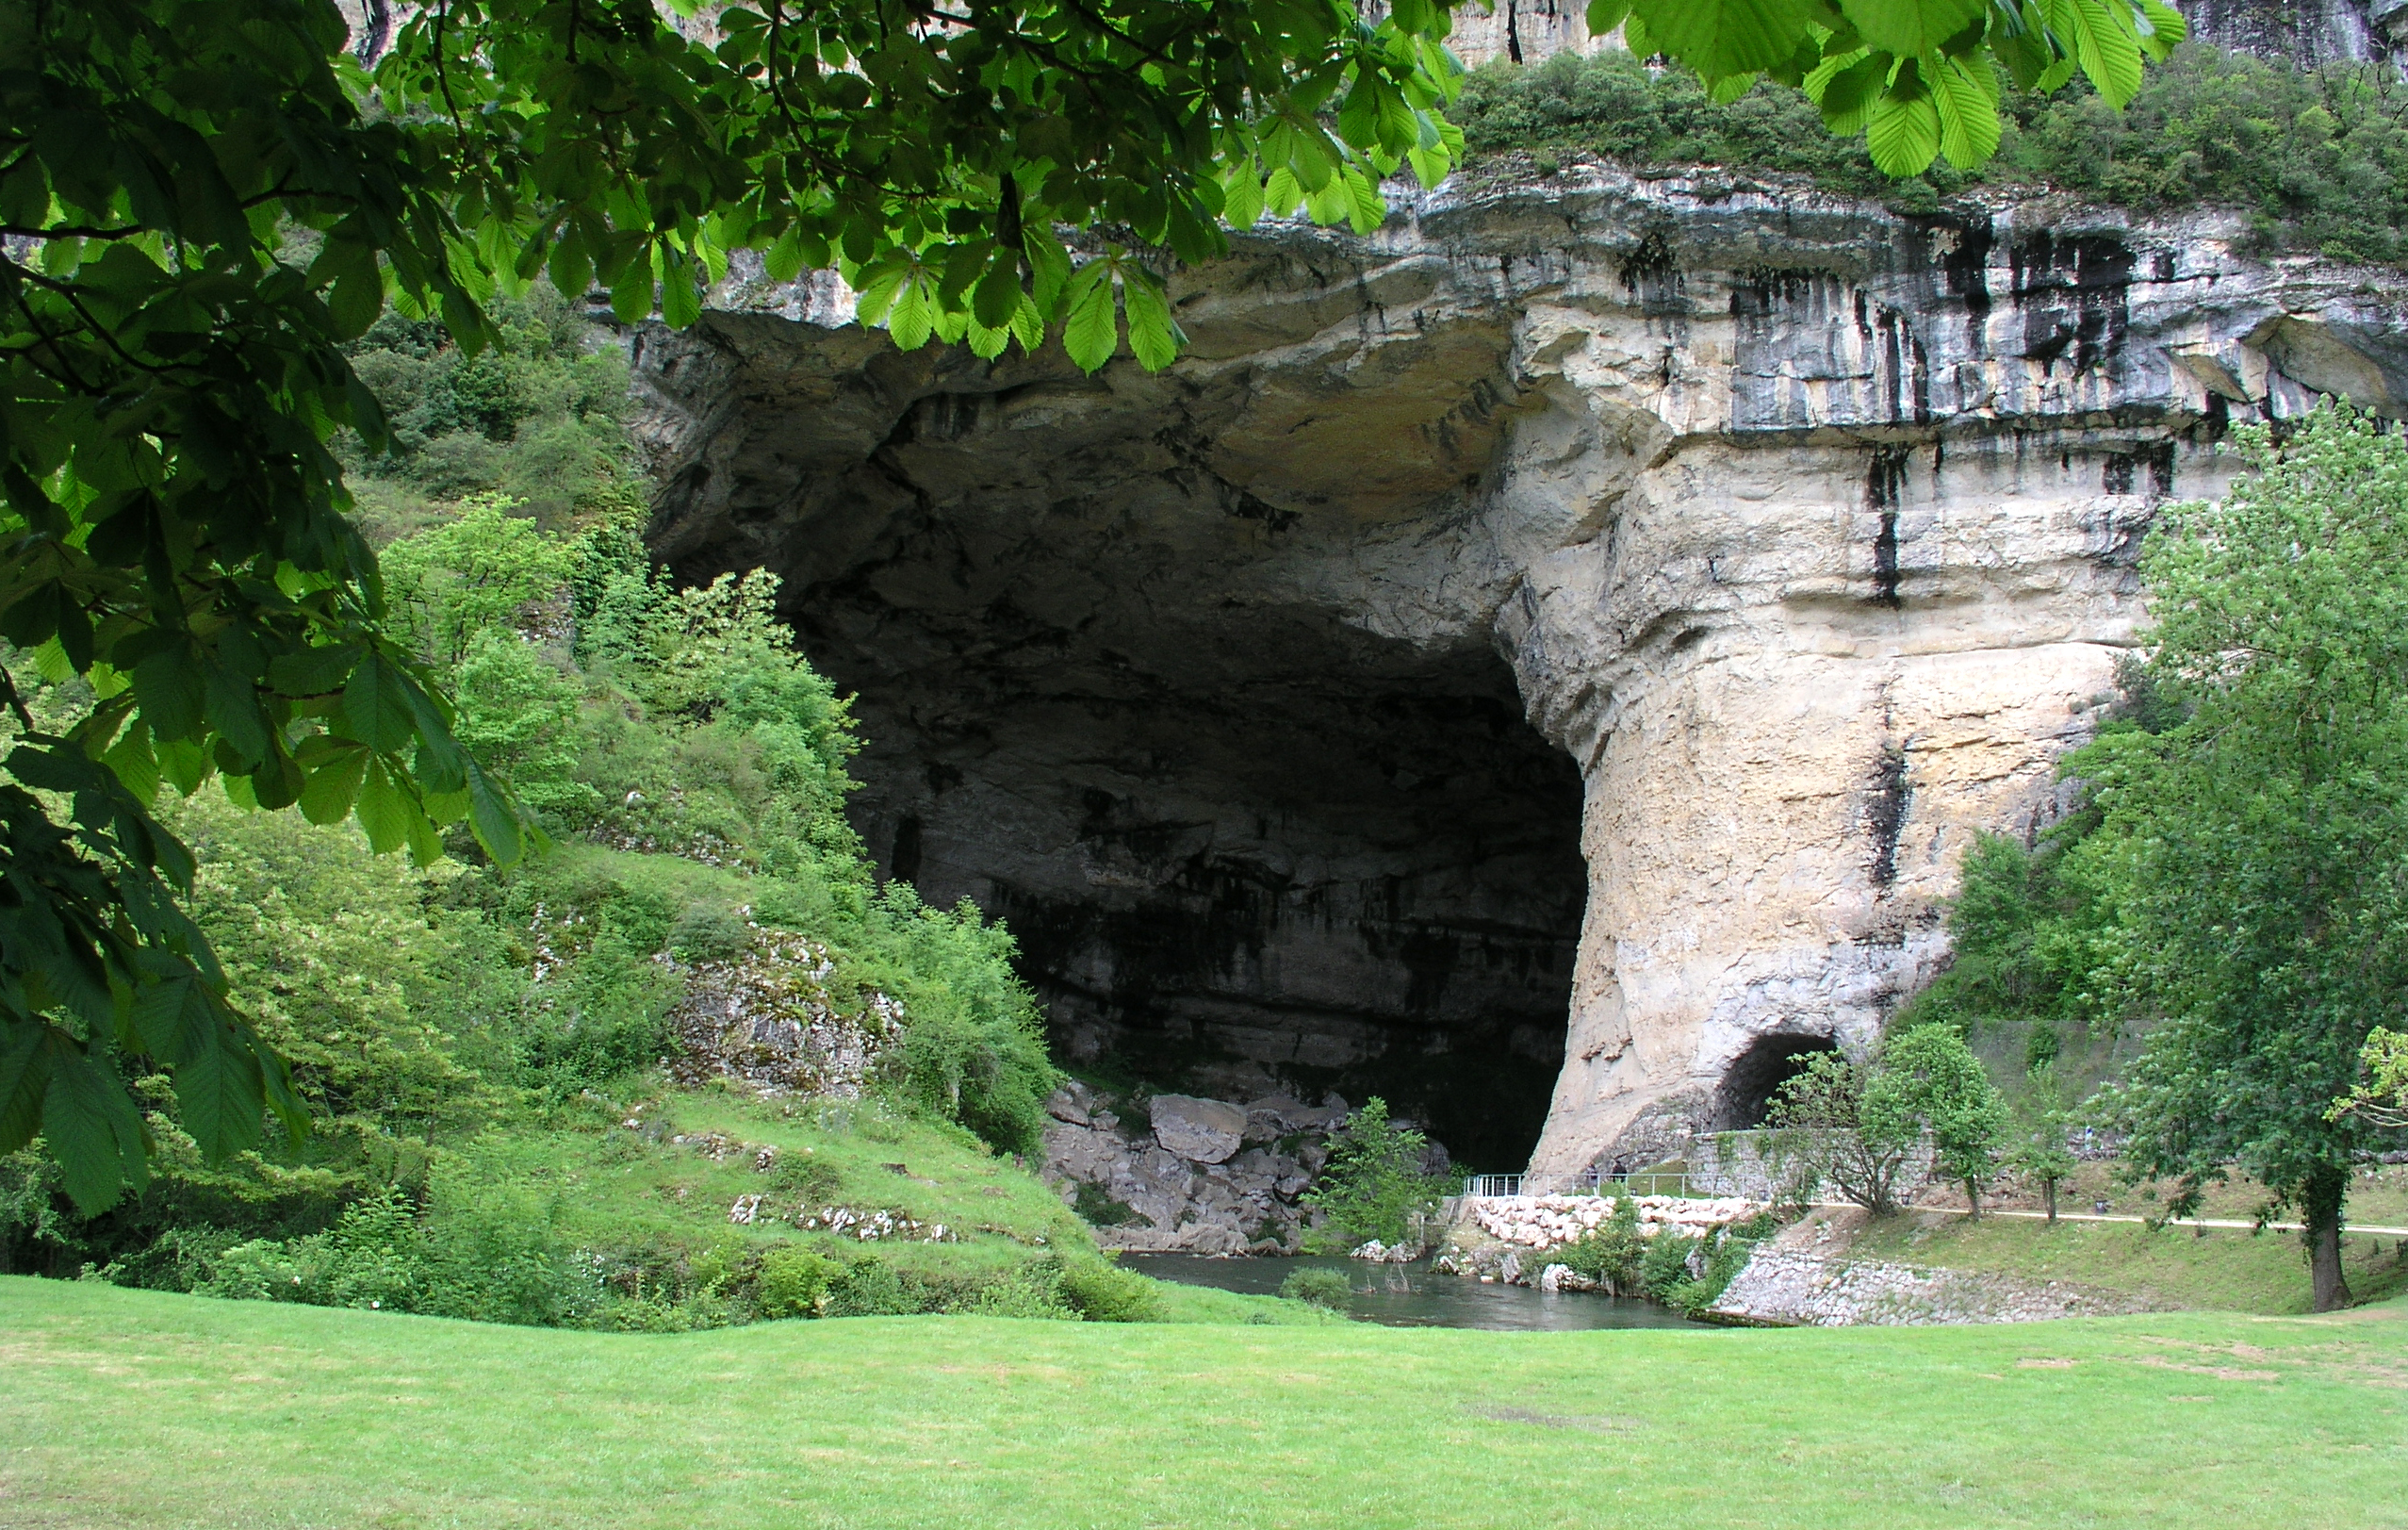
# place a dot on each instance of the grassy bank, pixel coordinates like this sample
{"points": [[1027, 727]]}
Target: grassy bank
{"points": [[241, 1413], [2226, 1268]]}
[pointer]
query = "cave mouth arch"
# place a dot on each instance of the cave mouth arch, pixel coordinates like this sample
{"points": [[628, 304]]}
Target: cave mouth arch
{"points": [[1194, 678], [1757, 1075], [1296, 860]]}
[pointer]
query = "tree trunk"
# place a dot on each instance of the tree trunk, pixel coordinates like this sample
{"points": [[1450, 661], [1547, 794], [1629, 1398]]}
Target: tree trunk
{"points": [[2048, 1194], [1973, 1200], [2320, 1211]]}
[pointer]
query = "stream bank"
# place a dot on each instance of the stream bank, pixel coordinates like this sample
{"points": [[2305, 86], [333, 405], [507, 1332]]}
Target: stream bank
{"points": [[1413, 1296]]}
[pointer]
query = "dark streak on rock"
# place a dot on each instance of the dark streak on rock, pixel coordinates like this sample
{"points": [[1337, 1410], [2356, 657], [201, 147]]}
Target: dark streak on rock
{"points": [[1884, 480], [1885, 815]]}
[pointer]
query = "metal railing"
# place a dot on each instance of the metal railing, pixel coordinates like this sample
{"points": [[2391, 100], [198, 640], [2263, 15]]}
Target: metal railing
{"points": [[1654, 1183], [1591, 1182]]}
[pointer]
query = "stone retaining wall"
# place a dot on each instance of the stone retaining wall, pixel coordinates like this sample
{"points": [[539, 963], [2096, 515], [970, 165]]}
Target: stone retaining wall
{"points": [[1794, 1287]]}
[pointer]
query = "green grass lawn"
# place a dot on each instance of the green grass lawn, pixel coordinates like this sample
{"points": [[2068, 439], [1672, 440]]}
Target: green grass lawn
{"points": [[127, 1407]]}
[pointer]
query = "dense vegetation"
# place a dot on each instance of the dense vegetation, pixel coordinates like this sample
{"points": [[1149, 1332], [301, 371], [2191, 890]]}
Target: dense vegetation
{"points": [[202, 203], [453, 1025], [2319, 158], [1853, 1128], [1685, 1272], [1376, 1185]]}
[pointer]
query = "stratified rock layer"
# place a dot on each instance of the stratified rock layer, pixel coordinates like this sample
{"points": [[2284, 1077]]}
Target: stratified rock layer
{"points": [[1801, 535]]}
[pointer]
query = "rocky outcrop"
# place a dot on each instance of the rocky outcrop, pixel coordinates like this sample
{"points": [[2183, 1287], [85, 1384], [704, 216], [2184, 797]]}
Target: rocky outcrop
{"points": [[1201, 1131], [1198, 1177], [1597, 600], [759, 1011]]}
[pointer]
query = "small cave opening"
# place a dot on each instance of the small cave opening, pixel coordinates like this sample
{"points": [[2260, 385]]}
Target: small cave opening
{"points": [[1757, 1075]]}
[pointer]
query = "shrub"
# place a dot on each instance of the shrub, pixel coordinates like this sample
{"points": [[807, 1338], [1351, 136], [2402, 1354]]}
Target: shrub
{"points": [[1328, 1289], [1097, 1209], [869, 1287], [1610, 1254], [1373, 1186], [804, 1180], [1036, 1290], [795, 1283], [1101, 1291], [708, 932], [1664, 1266]]}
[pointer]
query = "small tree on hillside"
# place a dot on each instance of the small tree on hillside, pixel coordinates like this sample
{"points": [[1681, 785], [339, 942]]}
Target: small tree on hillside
{"points": [[1930, 1077], [1830, 1127], [2037, 1148]]}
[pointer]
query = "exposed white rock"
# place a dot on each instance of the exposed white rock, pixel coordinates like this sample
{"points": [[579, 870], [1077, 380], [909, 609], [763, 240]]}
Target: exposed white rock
{"points": [[1198, 1130], [1808, 531], [1551, 1221]]}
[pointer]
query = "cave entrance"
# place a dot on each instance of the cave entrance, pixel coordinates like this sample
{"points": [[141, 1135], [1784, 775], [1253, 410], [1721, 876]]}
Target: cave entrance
{"points": [[1262, 852], [1757, 1075], [1191, 677]]}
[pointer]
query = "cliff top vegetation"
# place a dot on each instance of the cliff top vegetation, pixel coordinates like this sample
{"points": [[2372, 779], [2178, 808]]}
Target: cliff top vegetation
{"points": [[2317, 157]]}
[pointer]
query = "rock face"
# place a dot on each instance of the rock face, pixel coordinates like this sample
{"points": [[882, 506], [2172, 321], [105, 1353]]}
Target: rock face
{"points": [[1209, 1177], [1201, 1131], [1601, 600]]}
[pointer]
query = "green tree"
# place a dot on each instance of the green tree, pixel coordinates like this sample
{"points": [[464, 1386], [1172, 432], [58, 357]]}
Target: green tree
{"points": [[2028, 929], [518, 712], [1373, 1185], [1929, 1077], [476, 572], [1828, 1128], [2260, 844], [205, 202], [2043, 1121], [1855, 1127]]}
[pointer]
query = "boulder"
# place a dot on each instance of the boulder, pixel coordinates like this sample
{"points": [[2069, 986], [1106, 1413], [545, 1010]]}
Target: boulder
{"points": [[1074, 1102], [1281, 1115], [1198, 1130]]}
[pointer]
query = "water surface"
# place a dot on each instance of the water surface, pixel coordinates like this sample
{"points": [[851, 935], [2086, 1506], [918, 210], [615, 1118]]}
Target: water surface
{"points": [[1409, 1296]]}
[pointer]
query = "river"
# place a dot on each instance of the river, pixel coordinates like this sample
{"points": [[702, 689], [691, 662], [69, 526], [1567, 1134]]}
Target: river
{"points": [[1409, 1296]]}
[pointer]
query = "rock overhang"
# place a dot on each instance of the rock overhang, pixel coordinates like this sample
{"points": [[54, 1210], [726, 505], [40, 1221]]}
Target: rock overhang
{"points": [[1802, 532]]}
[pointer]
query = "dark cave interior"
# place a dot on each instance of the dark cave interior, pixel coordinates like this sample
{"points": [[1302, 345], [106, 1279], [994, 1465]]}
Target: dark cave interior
{"points": [[1353, 869], [1190, 680], [1758, 1073]]}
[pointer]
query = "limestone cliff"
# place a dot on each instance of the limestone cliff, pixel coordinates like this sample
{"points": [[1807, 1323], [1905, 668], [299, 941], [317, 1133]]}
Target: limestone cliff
{"points": [[1604, 599]]}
